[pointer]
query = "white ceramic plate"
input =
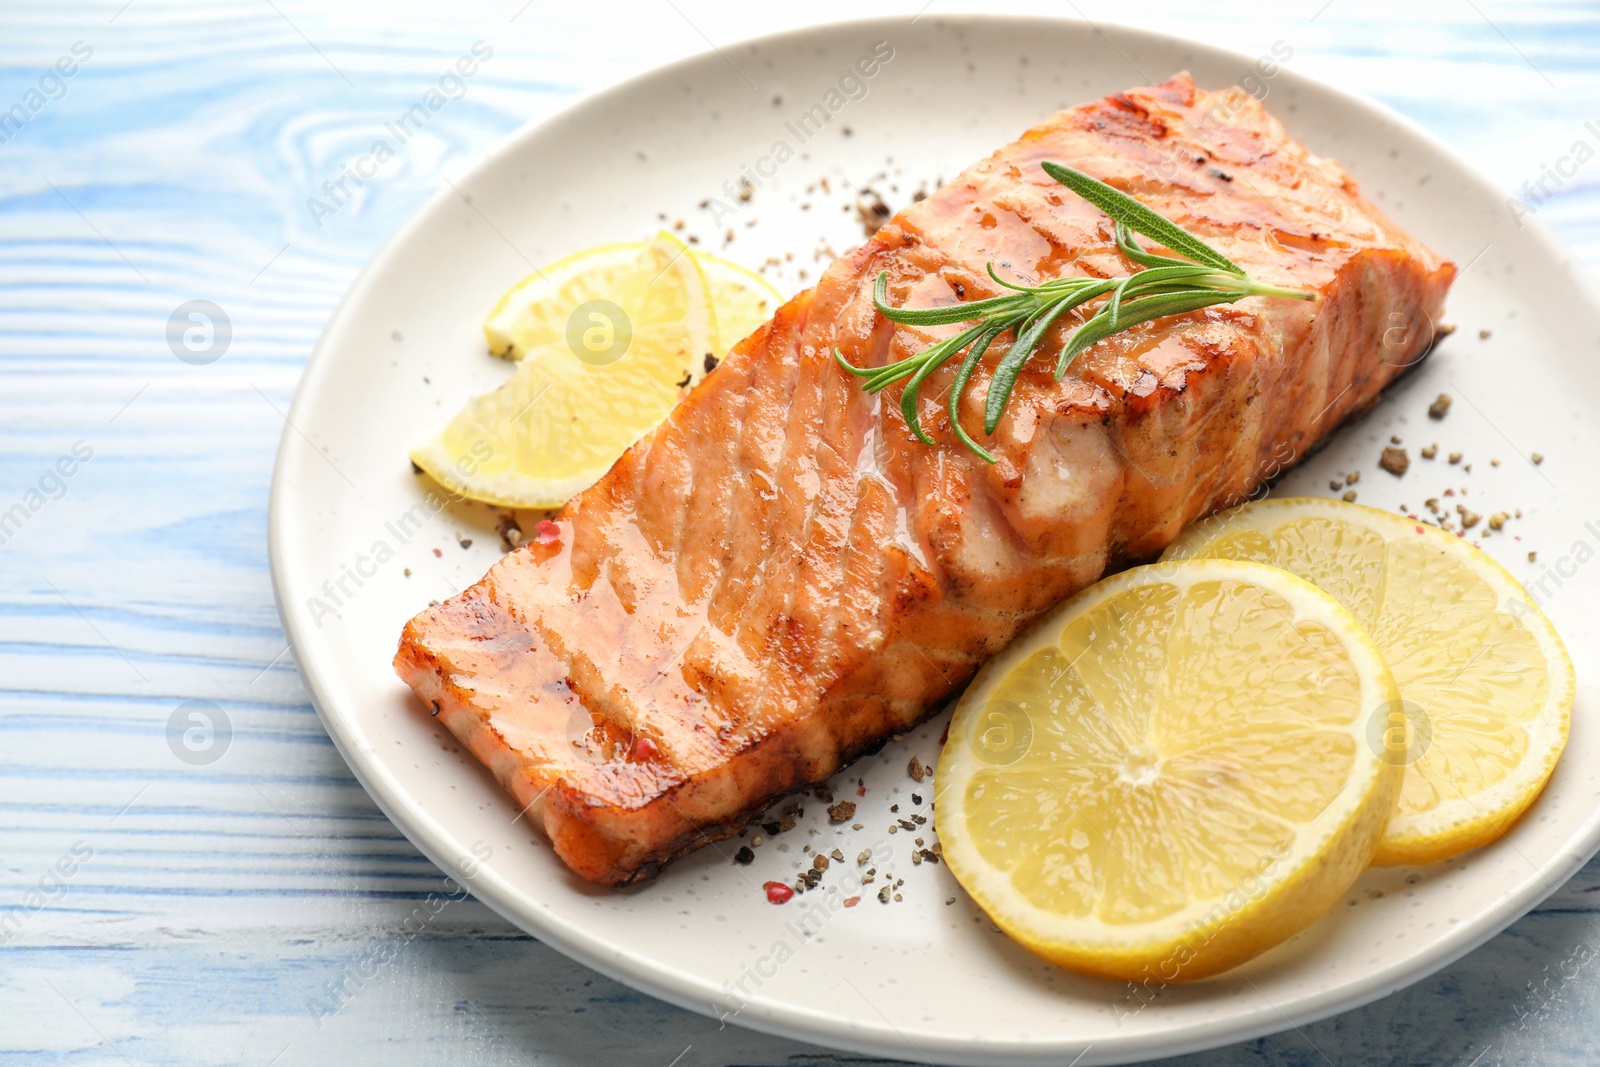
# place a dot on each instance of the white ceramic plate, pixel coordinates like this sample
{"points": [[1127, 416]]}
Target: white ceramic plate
{"points": [[918, 979]]}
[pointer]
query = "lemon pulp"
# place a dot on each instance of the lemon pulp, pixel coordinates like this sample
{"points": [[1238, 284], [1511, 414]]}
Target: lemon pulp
{"points": [[607, 342], [1169, 771], [1486, 684]]}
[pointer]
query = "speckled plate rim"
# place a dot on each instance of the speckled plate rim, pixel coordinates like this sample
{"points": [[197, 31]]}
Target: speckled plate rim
{"points": [[865, 1035]]}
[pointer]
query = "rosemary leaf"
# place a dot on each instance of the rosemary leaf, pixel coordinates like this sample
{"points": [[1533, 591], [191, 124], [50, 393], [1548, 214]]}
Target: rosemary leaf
{"points": [[1104, 323], [1131, 249], [959, 386], [1027, 339], [936, 316], [945, 349], [1125, 209], [1166, 286]]}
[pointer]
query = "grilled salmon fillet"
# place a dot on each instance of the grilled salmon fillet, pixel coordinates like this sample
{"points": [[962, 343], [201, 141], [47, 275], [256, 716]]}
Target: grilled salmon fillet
{"points": [[780, 578]]}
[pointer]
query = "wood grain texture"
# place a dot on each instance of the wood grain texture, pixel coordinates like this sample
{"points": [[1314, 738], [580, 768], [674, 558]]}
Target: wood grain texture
{"points": [[259, 909]]}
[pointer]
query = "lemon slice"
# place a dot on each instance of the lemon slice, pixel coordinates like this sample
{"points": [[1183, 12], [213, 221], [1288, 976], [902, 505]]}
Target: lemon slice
{"points": [[574, 404], [1170, 773], [743, 298], [534, 313], [1486, 682]]}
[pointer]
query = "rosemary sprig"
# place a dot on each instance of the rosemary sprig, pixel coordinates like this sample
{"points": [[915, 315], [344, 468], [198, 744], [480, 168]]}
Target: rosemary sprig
{"points": [[1166, 286]]}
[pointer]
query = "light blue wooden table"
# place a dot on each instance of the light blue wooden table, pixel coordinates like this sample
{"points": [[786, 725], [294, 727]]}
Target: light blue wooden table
{"points": [[169, 895]]}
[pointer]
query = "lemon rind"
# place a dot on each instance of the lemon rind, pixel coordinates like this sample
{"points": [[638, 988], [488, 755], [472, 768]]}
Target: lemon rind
{"points": [[508, 489], [1329, 853], [526, 487], [1455, 826], [554, 275]]}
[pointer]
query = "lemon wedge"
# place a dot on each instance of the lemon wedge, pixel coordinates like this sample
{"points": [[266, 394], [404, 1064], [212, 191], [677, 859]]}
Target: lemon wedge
{"points": [[1487, 684], [588, 385], [743, 298], [533, 313], [1170, 773], [608, 341]]}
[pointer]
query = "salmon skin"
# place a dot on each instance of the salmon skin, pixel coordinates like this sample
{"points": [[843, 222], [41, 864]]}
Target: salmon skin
{"points": [[780, 577]]}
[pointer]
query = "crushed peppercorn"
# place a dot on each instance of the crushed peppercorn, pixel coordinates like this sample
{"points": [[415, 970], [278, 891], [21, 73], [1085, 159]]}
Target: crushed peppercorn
{"points": [[1395, 461]]}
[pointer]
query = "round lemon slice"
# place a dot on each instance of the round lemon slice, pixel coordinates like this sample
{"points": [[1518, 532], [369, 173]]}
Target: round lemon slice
{"points": [[1486, 683], [587, 387], [1170, 773]]}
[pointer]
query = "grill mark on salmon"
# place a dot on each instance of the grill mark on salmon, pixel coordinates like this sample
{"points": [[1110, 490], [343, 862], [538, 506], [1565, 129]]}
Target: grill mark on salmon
{"points": [[780, 578]]}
